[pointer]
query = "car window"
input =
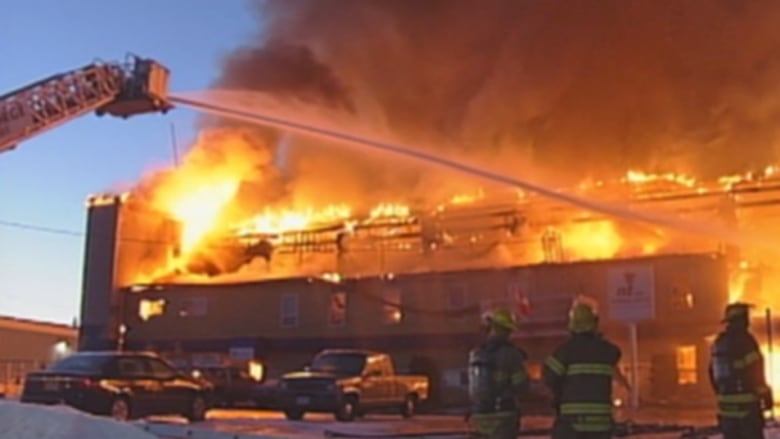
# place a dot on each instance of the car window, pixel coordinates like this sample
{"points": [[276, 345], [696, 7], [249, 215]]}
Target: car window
{"points": [[374, 367], [386, 365], [159, 369], [339, 364], [131, 367], [87, 364]]}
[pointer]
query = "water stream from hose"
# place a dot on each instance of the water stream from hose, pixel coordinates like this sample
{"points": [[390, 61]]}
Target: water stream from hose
{"points": [[257, 116]]}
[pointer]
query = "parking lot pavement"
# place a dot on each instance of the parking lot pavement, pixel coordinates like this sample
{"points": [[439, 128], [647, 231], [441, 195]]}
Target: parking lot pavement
{"points": [[240, 424]]}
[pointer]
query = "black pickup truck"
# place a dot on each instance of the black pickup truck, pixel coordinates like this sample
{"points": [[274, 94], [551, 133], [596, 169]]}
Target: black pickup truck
{"points": [[349, 383]]}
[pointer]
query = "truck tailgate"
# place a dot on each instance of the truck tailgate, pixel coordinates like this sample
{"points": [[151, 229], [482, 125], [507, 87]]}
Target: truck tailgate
{"points": [[417, 384]]}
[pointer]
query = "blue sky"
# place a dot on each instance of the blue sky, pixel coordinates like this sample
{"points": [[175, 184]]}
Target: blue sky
{"points": [[46, 180]]}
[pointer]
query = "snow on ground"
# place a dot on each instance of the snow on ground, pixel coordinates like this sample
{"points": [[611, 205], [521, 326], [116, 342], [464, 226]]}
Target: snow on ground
{"points": [[21, 421], [24, 421]]}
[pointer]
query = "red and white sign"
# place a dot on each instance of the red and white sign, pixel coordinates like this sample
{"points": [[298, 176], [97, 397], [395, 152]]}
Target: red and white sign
{"points": [[519, 298], [631, 293]]}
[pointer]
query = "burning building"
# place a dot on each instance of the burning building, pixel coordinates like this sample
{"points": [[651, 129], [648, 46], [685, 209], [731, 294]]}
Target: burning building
{"points": [[273, 246], [282, 285]]}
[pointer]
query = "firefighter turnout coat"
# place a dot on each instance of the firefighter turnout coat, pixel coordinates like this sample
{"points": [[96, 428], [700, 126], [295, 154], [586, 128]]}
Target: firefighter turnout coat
{"points": [[579, 374]]}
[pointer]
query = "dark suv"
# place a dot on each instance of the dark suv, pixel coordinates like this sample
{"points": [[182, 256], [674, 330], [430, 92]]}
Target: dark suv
{"points": [[123, 385]]}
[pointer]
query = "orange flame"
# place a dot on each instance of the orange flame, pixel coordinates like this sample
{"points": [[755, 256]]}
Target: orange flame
{"points": [[591, 240], [390, 210], [639, 177], [274, 222]]}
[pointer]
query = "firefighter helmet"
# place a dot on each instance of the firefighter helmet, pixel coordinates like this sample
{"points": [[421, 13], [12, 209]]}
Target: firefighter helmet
{"points": [[500, 317], [583, 317], [736, 311]]}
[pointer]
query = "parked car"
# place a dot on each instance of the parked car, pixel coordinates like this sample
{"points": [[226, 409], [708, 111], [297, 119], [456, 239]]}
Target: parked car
{"points": [[123, 385], [349, 383], [232, 384]]}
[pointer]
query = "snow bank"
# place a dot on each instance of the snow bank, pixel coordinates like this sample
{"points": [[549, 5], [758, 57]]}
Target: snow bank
{"points": [[23, 421]]}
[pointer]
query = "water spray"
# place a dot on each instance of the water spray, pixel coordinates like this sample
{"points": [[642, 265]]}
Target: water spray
{"points": [[731, 236]]}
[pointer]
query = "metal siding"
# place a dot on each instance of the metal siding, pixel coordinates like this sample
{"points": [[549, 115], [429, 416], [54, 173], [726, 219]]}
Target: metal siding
{"points": [[251, 310]]}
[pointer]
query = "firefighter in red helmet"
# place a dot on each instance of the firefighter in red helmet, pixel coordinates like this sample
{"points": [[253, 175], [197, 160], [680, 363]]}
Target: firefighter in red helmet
{"points": [[737, 376]]}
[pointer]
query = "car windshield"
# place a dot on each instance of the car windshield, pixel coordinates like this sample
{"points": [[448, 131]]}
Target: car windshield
{"points": [[339, 364], [88, 364]]}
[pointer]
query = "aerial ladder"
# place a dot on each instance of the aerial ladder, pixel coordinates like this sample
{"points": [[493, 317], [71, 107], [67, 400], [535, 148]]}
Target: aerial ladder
{"points": [[136, 87]]}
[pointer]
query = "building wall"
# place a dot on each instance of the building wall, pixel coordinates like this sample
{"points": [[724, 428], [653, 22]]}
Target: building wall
{"points": [[123, 239], [26, 346], [287, 321], [98, 299]]}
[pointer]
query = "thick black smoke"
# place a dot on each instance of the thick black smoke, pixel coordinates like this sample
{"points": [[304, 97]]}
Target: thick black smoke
{"points": [[578, 86]]}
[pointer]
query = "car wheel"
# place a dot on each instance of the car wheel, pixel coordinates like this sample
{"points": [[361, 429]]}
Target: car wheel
{"points": [[197, 410], [347, 409], [294, 414], [120, 409], [409, 407]]}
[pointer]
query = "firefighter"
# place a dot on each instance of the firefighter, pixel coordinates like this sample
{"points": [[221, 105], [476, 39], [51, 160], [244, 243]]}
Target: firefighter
{"points": [[497, 378], [736, 373], [579, 375]]}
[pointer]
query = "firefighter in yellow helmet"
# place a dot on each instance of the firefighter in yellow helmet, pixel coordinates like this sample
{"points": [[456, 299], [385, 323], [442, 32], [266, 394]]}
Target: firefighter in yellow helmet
{"points": [[579, 374], [497, 378], [737, 376]]}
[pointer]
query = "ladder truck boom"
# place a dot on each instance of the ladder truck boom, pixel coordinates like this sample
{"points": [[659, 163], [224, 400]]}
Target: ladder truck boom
{"points": [[122, 90]]}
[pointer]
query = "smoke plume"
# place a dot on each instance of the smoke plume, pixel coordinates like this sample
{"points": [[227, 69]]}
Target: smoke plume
{"points": [[579, 87]]}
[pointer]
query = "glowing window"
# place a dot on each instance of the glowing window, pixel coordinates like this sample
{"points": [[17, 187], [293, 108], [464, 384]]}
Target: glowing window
{"points": [[391, 308], [256, 371], [687, 372], [150, 308]]}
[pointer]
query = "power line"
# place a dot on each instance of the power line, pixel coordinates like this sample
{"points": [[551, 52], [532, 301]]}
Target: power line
{"points": [[44, 229]]}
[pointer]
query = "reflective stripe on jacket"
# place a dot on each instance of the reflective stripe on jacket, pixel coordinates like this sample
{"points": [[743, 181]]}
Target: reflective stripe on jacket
{"points": [[579, 374]]}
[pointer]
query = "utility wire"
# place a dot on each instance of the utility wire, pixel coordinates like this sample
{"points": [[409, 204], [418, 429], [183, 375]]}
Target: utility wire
{"points": [[44, 229]]}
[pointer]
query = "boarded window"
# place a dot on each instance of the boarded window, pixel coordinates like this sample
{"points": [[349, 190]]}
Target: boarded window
{"points": [[289, 311], [337, 310], [391, 306], [686, 365]]}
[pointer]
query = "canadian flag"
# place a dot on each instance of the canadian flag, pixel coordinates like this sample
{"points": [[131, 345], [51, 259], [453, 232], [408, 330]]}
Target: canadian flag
{"points": [[522, 303]]}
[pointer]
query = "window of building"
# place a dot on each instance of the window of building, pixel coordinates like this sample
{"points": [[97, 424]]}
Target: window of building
{"points": [[682, 295], [456, 297], [289, 312], [337, 310], [194, 307], [391, 307], [686, 365], [148, 308]]}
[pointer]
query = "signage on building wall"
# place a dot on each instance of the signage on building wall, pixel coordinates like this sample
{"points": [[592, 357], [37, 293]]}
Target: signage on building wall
{"points": [[631, 292]]}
